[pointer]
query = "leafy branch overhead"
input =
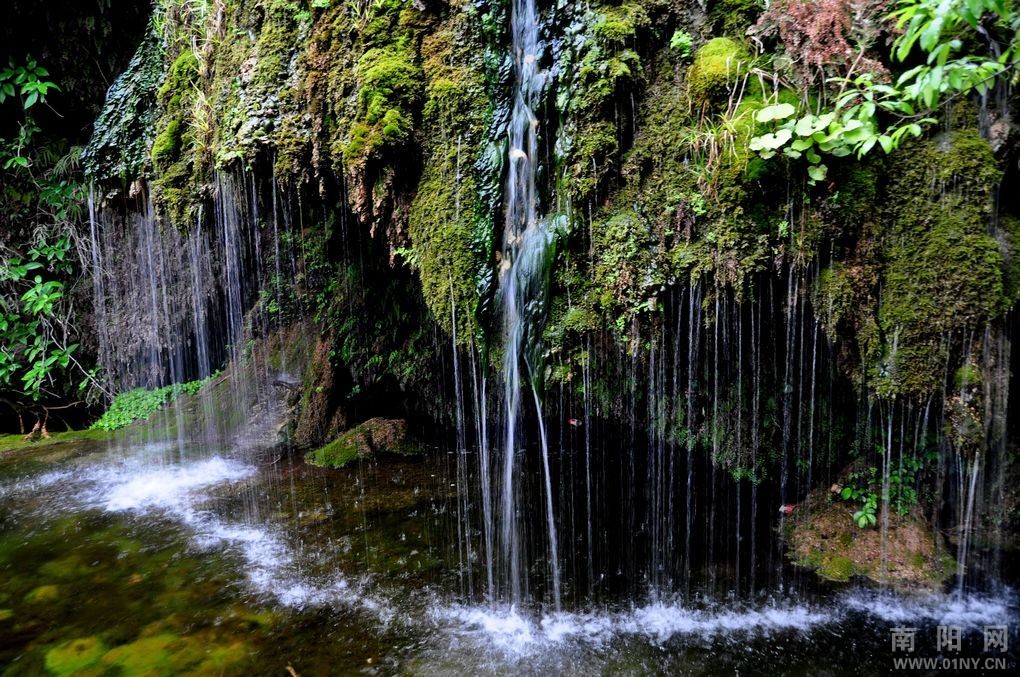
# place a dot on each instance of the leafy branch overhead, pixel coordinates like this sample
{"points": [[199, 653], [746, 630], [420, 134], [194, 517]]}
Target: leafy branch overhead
{"points": [[967, 47]]}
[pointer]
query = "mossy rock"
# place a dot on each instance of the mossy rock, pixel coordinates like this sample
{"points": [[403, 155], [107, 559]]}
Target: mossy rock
{"points": [[717, 65], [390, 90], [823, 536], [74, 656], [374, 436]]}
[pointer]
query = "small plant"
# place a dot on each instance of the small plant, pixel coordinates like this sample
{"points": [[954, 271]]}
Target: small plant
{"points": [[859, 489], [865, 517], [682, 43], [140, 403], [869, 113]]}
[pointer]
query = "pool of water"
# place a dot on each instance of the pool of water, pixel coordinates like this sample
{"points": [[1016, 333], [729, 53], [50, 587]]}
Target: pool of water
{"points": [[152, 559]]}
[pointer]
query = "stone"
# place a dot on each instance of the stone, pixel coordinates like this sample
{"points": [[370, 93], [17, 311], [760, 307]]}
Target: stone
{"points": [[366, 440]]}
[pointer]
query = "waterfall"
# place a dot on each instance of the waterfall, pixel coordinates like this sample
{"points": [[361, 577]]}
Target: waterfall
{"points": [[176, 302], [526, 243]]}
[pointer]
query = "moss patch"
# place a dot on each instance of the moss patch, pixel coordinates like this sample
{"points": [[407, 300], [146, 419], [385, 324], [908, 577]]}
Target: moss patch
{"points": [[374, 436], [446, 209], [945, 271], [75, 655], [43, 594], [718, 64]]}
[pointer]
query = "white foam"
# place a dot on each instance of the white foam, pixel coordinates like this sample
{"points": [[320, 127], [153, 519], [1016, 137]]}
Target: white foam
{"points": [[270, 563], [170, 487], [506, 629], [34, 484], [517, 635], [969, 610]]}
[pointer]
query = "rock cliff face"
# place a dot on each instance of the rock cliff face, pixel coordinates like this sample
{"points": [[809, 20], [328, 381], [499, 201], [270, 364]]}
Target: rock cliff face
{"points": [[701, 296]]}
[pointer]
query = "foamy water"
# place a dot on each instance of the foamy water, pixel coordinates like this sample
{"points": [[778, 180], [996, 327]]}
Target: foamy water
{"points": [[518, 635], [179, 491], [140, 484], [968, 610]]}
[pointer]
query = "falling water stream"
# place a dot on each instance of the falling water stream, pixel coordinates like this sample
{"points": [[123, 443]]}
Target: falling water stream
{"points": [[527, 239]]}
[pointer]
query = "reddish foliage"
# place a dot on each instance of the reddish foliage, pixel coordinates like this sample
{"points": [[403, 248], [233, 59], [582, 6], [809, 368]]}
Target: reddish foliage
{"points": [[827, 38]]}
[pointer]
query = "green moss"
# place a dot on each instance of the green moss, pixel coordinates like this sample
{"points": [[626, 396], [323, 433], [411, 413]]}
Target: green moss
{"points": [[365, 440], [43, 594], [836, 568], [75, 655], [606, 68], [717, 66], [857, 192], [180, 80], [833, 298], [220, 657], [969, 375], [67, 568], [441, 223], [1010, 228], [732, 17], [944, 272], [619, 25], [336, 454], [167, 145], [149, 655], [18, 443], [389, 93], [446, 209]]}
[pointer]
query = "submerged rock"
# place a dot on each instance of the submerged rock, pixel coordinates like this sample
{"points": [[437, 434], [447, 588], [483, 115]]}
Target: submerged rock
{"points": [[366, 440]]}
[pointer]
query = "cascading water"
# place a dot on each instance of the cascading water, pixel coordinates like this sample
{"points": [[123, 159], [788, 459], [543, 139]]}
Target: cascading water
{"points": [[175, 305], [526, 242], [617, 512]]}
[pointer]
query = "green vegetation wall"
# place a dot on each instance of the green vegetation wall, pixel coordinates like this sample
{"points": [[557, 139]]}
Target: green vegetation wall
{"points": [[671, 154]]}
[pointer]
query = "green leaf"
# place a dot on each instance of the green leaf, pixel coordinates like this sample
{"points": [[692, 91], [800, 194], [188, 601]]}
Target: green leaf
{"points": [[779, 111], [801, 144], [817, 172]]}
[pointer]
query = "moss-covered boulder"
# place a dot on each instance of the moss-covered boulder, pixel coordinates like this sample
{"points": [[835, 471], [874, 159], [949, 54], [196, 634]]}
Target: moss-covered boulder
{"points": [[367, 440], [822, 535]]}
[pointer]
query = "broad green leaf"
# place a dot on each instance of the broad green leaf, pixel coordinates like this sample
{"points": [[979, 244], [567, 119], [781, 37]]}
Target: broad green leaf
{"points": [[779, 111]]}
